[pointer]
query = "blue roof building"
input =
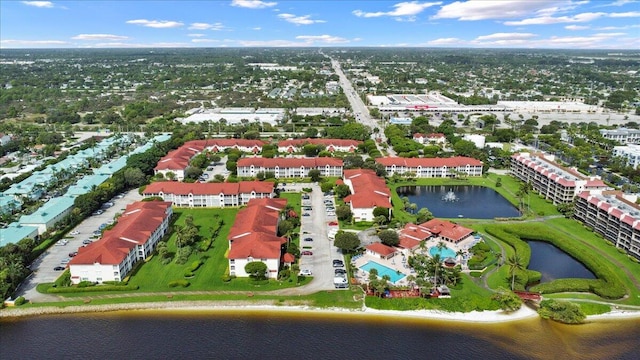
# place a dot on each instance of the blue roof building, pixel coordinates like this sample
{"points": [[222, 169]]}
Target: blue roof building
{"points": [[49, 214], [16, 232]]}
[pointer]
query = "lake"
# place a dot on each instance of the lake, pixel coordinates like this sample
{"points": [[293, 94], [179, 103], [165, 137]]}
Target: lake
{"points": [[305, 335], [470, 201], [554, 263]]}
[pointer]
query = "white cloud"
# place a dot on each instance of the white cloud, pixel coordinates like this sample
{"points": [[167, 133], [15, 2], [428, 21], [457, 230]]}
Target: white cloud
{"points": [[40, 4], [195, 35], [625, 14], [9, 43], [506, 36], [101, 37], [483, 10], [158, 24], [253, 4], [257, 28], [408, 9], [609, 28], [206, 26], [545, 20], [620, 3], [446, 41], [140, 45], [204, 40], [576, 27], [327, 39], [299, 20]]}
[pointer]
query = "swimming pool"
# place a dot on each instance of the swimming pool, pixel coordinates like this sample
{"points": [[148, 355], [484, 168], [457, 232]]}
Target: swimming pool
{"points": [[383, 270], [444, 252]]}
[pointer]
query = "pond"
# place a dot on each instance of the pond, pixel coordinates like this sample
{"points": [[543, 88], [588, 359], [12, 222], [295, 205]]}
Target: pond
{"points": [[453, 201], [554, 263]]}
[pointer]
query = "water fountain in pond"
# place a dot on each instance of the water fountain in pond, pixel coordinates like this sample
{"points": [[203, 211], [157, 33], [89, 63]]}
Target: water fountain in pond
{"points": [[450, 196]]}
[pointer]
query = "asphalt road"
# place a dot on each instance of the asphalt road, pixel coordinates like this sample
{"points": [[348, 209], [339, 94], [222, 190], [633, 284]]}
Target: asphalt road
{"points": [[43, 266]]}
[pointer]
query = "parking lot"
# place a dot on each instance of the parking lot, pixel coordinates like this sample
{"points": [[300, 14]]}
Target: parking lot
{"points": [[57, 255], [315, 226]]}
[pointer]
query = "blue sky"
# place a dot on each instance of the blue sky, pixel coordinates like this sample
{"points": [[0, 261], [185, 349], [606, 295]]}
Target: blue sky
{"points": [[600, 24]]}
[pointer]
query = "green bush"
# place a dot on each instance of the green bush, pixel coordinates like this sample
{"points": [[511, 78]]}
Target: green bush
{"points": [[189, 274], [20, 300], [73, 289], [176, 283], [195, 265], [84, 284], [561, 311], [225, 278]]}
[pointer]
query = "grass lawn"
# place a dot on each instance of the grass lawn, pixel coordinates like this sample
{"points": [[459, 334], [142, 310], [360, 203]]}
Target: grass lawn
{"points": [[154, 276], [465, 297]]}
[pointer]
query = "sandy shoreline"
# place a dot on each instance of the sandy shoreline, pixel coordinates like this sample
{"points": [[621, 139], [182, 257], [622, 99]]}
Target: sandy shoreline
{"points": [[269, 306]]}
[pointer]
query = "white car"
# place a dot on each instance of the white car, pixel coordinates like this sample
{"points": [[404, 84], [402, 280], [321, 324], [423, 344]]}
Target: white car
{"points": [[75, 232], [306, 272]]}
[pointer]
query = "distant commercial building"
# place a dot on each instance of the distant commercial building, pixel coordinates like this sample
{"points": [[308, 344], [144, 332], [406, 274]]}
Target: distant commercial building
{"points": [[622, 135], [254, 237], [368, 191], [331, 145], [551, 106], [477, 139], [631, 153], [553, 181], [133, 238], [235, 116], [210, 194], [613, 216], [433, 138], [432, 167], [289, 167]]}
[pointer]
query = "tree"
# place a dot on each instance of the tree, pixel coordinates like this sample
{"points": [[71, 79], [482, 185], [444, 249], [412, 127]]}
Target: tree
{"points": [[134, 177], [311, 150], [326, 186], [389, 237], [311, 132], [315, 175], [347, 241], [342, 191], [507, 300], [381, 211], [424, 215], [215, 158], [343, 212], [515, 264], [464, 147], [256, 270], [284, 227], [192, 173], [561, 311]]}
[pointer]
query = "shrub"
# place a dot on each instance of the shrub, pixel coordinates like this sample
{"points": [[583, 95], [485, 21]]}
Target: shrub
{"points": [[182, 255], [189, 274], [176, 283], [561, 311], [84, 284], [225, 278], [73, 289], [20, 300], [195, 265]]}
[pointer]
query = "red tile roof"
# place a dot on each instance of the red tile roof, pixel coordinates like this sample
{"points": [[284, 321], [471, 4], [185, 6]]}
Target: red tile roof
{"points": [[289, 162], [180, 188], [415, 232], [447, 229], [382, 249], [134, 227], [179, 159], [325, 142], [408, 243], [455, 161], [369, 189], [253, 234], [288, 258]]}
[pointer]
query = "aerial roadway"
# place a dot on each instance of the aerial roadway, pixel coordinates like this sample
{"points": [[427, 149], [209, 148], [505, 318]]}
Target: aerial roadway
{"points": [[357, 105]]}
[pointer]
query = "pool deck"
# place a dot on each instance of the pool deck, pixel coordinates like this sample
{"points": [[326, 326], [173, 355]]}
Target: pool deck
{"points": [[399, 261]]}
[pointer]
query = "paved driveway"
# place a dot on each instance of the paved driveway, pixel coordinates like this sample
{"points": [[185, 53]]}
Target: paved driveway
{"points": [[43, 266], [315, 226]]}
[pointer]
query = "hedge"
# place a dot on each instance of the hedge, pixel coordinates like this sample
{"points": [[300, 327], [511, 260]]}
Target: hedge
{"points": [[73, 289], [606, 285], [176, 283]]}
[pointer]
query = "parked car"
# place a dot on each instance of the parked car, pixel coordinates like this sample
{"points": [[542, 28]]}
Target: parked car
{"points": [[340, 271], [59, 268], [74, 232], [306, 252], [62, 242], [338, 263], [97, 212], [333, 223], [308, 239], [65, 261], [87, 242], [306, 214], [73, 253], [306, 272]]}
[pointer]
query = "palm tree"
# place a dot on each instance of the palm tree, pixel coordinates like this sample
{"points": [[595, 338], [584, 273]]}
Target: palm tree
{"points": [[499, 258], [436, 262], [515, 264]]}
